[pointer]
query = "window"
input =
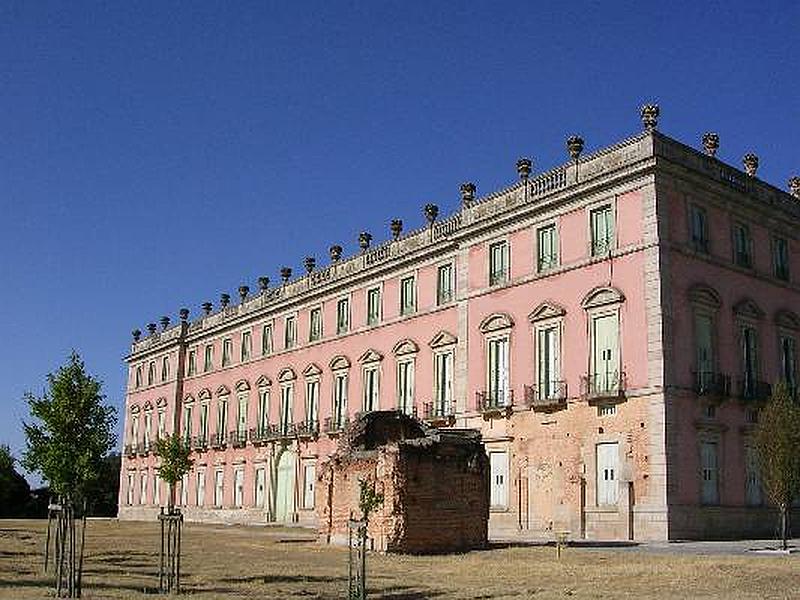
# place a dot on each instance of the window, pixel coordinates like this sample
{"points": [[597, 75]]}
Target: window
{"points": [[138, 378], [709, 473], [407, 295], [602, 234], [373, 306], [444, 284], [605, 376], [156, 488], [219, 490], [704, 351], [371, 388], [227, 350], [405, 386], [204, 421], [135, 429], [287, 399], [185, 490], [162, 424], [151, 373], [238, 488], [780, 258], [498, 464], [266, 339], [222, 418], [607, 473], [548, 369], [315, 324], [443, 384], [200, 489], [742, 246], [208, 358], [339, 398], [498, 263], [191, 365], [290, 332], [698, 223], [749, 360], [497, 372], [546, 248], [241, 421], [148, 427], [789, 362], [312, 403], [187, 422], [130, 488], [309, 479], [342, 316], [263, 410], [753, 494], [261, 486], [165, 368], [247, 346], [606, 410], [143, 488]]}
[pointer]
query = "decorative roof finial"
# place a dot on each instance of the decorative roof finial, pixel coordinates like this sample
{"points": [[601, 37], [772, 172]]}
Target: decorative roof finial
{"points": [[711, 143], [286, 274], [184, 314], [164, 322], [750, 162], [207, 307], [431, 212], [575, 146], [794, 187], [243, 291], [263, 283], [396, 227], [467, 193], [224, 300], [524, 166], [137, 334], [309, 263], [336, 252], [364, 238], [151, 328], [650, 114]]}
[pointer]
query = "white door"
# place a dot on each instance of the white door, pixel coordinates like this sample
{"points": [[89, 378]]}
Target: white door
{"points": [[498, 462], [607, 473], [261, 481], [218, 488], [605, 353], [284, 492], [200, 490], [309, 479], [709, 473], [238, 488]]}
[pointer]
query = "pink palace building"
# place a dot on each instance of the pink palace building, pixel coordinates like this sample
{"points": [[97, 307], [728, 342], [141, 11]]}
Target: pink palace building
{"points": [[611, 326]]}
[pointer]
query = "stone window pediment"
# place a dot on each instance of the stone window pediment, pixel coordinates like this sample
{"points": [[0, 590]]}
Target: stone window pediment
{"points": [[442, 339], [188, 399], [161, 402], [148, 405], [370, 356], [339, 362], [748, 308], [404, 347], [263, 381], [602, 296], [287, 374], [223, 390], [135, 409], [787, 319], [242, 385], [703, 295], [546, 310], [204, 394], [312, 370], [496, 322]]}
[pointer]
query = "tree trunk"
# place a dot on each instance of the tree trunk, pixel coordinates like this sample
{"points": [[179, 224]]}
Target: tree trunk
{"points": [[784, 532]]}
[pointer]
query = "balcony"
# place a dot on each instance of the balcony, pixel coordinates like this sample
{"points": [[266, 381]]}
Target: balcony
{"points": [[610, 385], [200, 443], [307, 430], [143, 448], [495, 403], [548, 397], [238, 438], [752, 390], [218, 441], [129, 450], [335, 425], [711, 384], [438, 414], [260, 435]]}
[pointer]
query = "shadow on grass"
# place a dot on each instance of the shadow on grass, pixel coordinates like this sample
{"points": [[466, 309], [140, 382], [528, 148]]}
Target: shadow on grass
{"points": [[269, 579]]}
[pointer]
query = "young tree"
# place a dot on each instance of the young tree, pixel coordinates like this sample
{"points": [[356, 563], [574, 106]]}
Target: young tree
{"points": [[777, 440], [71, 433], [175, 462]]}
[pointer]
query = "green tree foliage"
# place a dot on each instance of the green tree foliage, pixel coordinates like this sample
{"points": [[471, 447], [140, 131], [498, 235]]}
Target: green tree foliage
{"points": [[777, 440], [369, 498], [72, 431], [175, 462], [104, 494], [14, 490]]}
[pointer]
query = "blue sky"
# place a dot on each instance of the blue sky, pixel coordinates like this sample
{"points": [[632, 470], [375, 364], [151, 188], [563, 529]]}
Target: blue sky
{"points": [[154, 155]]}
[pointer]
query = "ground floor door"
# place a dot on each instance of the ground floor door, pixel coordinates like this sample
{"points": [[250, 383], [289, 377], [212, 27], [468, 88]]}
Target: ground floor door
{"points": [[498, 463], [284, 487]]}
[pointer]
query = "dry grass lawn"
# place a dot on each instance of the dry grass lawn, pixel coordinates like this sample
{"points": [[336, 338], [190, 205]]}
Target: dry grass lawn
{"points": [[238, 562]]}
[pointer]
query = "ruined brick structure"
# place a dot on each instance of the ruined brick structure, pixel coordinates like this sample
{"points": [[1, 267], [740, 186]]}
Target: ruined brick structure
{"points": [[434, 483]]}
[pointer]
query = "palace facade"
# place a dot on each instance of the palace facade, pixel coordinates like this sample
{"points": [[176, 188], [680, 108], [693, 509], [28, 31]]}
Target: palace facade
{"points": [[610, 326]]}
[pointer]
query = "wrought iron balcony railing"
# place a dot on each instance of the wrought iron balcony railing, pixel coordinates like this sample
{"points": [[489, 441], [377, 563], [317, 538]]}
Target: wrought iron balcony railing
{"points": [[307, 429], [711, 384], [130, 450], [142, 449], [494, 401], [218, 440], [438, 412], [548, 396], [259, 435], [609, 384], [200, 442], [754, 390], [336, 424], [237, 438]]}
